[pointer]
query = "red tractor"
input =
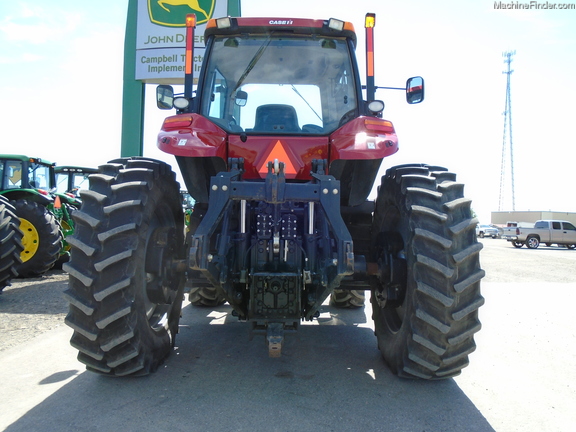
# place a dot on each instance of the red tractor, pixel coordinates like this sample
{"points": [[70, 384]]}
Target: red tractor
{"points": [[280, 151]]}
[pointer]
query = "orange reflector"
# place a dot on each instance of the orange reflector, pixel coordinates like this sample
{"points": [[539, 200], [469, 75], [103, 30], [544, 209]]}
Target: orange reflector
{"points": [[178, 121], [189, 58], [379, 125], [370, 63], [278, 152], [57, 202]]}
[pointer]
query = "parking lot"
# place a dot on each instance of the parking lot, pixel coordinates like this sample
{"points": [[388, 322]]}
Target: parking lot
{"points": [[331, 377]]}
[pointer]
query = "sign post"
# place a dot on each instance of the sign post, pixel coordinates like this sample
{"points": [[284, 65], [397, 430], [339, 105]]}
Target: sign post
{"points": [[154, 53]]}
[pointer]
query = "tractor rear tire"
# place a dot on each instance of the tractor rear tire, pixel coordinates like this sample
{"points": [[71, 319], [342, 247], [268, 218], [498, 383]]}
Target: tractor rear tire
{"points": [[206, 296], [10, 242], [42, 238], [126, 278], [350, 299], [425, 310]]}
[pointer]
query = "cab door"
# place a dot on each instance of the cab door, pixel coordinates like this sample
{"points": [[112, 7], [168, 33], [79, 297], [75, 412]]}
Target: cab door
{"points": [[556, 232], [568, 233]]}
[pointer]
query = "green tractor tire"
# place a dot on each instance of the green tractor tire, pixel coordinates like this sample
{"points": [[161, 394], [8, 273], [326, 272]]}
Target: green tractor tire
{"points": [[10, 242], [42, 238]]}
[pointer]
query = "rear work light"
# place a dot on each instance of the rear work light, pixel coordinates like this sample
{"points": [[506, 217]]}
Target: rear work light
{"points": [[181, 102], [222, 23], [335, 24]]}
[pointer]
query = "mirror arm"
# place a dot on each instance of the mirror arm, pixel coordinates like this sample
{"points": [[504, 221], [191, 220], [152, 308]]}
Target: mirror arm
{"points": [[391, 88], [386, 88]]}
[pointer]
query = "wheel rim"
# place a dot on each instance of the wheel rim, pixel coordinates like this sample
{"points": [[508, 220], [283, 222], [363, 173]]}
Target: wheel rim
{"points": [[160, 279], [392, 263], [30, 239], [533, 242]]}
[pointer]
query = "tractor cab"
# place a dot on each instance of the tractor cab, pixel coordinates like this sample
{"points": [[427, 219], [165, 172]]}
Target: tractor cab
{"points": [[280, 90], [22, 172], [263, 94]]}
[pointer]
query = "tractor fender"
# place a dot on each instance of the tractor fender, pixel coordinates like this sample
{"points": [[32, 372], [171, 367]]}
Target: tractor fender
{"points": [[29, 195]]}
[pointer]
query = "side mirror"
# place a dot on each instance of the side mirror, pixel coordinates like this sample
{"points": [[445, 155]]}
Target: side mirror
{"points": [[164, 97], [415, 90], [241, 98]]}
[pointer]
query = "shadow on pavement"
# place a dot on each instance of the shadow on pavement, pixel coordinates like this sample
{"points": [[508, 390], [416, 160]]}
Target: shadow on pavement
{"points": [[331, 377], [38, 295]]}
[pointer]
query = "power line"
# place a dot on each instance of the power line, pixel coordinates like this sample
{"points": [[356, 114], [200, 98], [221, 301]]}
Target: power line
{"points": [[507, 136]]}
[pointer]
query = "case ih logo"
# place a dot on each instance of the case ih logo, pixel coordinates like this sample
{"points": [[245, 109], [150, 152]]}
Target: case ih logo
{"points": [[172, 13]]}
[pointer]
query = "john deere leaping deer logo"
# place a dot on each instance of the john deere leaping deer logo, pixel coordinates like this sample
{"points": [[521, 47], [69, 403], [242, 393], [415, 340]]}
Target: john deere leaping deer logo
{"points": [[172, 13]]}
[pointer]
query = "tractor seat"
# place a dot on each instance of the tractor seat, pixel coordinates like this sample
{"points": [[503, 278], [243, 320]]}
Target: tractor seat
{"points": [[276, 118]]}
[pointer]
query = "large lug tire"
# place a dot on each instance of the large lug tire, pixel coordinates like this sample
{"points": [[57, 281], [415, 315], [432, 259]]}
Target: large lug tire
{"points": [[425, 301], [126, 285], [343, 298], [42, 238], [10, 242], [532, 242], [205, 295]]}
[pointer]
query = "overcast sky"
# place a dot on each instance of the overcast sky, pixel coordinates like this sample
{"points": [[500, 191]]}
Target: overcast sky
{"points": [[61, 67]]}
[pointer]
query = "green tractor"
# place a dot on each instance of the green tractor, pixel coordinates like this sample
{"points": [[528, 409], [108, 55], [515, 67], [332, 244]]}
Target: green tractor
{"points": [[187, 207], [45, 216], [71, 179]]}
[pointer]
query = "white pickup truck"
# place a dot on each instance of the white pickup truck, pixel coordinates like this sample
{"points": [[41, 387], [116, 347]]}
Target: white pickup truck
{"points": [[549, 232]]}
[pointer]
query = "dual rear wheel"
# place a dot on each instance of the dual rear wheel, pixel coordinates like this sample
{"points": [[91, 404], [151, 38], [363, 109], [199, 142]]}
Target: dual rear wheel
{"points": [[126, 284], [10, 242], [425, 300]]}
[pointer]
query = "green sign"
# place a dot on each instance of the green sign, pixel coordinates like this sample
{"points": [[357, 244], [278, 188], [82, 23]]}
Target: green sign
{"points": [[172, 13], [156, 26]]}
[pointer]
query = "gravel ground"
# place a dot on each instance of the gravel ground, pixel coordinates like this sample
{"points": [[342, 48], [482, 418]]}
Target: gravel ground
{"points": [[32, 306]]}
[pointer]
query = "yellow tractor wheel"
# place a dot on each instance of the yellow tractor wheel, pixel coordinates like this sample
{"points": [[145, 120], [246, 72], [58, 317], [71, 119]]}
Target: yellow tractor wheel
{"points": [[42, 238], [30, 239]]}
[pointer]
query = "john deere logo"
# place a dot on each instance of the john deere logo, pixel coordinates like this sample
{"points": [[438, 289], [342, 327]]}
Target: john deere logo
{"points": [[172, 13]]}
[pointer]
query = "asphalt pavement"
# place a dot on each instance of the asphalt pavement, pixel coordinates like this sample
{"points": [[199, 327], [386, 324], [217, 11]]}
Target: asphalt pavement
{"points": [[331, 377]]}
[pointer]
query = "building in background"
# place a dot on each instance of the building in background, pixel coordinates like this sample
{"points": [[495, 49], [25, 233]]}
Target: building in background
{"points": [[501, 218]]}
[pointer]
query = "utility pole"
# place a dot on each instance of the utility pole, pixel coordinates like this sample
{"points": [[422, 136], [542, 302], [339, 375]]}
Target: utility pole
{"points": [[507, 136]]}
